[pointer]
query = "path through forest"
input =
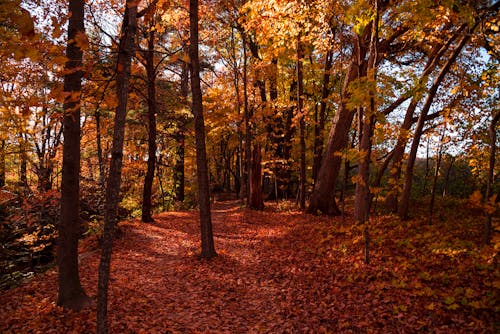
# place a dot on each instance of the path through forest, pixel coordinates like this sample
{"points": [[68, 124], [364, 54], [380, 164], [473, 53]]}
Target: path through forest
{"points": [[277, 271]]}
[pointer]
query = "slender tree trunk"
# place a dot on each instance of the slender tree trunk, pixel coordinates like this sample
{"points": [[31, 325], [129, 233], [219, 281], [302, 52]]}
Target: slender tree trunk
{"points": [[2, 163], [323, 196], [125, 53], [248, 130], [207, 241], [319, 126], [256, 199], [488, 228], [447, 177], [150, 172], [302, 125], [100, 158], [180, 137], [70, 291], [367, 122], [405, 196], [435, 178]]}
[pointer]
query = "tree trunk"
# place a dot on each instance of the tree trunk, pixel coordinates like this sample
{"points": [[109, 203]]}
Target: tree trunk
{"points": [[248, 130], [405, 196], [100, 158], [180, 137], [150, 172], [323, 196], [302, 124], [256, 199], [319, 126], [207, 241], [70, 291], [367, 123], [125, 53], [391, 201], [436, 174], [2, 163], [488, 228]]}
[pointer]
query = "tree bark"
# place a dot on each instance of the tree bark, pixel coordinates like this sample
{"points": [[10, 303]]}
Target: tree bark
{"points": [[125, 53], [302, 126], [207, 241], [256, 199], [323, 196], [70, 291], [150, 172], [248, 130], [2, 163]]}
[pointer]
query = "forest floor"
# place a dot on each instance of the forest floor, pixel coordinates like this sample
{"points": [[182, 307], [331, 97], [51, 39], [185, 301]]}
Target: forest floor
{"points": [[279, 271]]}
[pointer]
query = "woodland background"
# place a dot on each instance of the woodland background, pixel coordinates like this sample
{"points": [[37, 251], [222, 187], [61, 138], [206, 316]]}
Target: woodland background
{"points": [[356, 109]]}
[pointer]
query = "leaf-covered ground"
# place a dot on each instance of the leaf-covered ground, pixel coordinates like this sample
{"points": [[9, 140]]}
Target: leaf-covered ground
{"points": [[279, 271]]}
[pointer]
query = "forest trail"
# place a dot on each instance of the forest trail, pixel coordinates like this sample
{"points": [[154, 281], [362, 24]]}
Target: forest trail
{"points": [[277, 271]]}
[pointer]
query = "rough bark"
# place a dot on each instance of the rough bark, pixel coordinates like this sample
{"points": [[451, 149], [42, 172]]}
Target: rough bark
{"points": [[70, 291], [125, 53], [150, 172], [207, 241]]}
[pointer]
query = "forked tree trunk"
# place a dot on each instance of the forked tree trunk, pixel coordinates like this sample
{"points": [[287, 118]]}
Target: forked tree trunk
{"points": [[150, 172], [125, 53], [207, 241], [323, 196], [405, 196], [70, 291]]}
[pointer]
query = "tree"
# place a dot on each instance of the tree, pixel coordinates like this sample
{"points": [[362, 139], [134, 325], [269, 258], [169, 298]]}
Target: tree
{"points": [[207, 241], [151, 84], [126, 50], [70, 293]]}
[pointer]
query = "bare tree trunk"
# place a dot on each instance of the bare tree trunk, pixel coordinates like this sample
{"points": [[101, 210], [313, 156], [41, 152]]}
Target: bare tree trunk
{"points": [[125, 53], [436, 174], [488, 229], [180, 137], [70, 291], [256, 199], [207, 241], [248, 130], [302, 125], [150, 173], [100, 158], [2, 163]]}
